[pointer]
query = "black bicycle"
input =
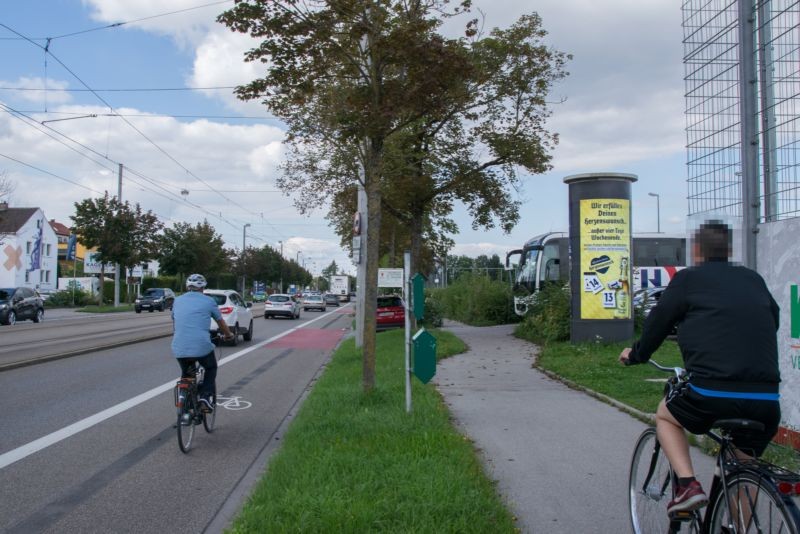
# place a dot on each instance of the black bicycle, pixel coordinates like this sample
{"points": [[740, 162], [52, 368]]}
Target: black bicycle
{"points": [[187, 402], [747, 494]]}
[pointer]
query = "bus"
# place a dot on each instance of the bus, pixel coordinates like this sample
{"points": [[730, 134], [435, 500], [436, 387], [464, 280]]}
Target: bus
{"points": [[656, 258]]}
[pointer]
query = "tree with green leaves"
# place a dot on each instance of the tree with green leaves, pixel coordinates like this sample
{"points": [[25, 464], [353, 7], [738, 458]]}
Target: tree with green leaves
{"points": [[354, 73], [187, 249], [469, 152], [122, 234]]}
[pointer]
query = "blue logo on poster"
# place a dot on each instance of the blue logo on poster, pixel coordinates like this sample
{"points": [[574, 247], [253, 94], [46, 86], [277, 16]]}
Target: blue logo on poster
{"points": [[601, 264]]}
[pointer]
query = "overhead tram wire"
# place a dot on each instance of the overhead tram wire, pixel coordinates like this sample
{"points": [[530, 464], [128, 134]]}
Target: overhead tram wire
{"points": [[129, 123], [37, 125], [118, 24], [154, 115], [54, 175]]}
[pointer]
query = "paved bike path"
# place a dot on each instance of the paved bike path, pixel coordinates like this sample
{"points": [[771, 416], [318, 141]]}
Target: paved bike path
{"points": [[559, 456]]}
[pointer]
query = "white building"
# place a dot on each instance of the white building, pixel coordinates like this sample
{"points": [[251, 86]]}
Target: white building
{"points": [[28, 249]]}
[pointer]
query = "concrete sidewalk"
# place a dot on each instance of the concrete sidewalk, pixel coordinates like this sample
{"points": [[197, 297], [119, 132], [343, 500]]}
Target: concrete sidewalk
{"points": [[559, 456]]}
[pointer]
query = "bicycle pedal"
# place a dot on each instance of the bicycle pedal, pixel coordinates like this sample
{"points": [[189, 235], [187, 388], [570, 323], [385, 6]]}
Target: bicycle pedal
{"points": [[682, 516]]}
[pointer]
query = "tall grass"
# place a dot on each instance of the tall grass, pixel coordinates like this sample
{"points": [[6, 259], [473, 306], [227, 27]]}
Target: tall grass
{"points": [[355, 462], [476, 300]]}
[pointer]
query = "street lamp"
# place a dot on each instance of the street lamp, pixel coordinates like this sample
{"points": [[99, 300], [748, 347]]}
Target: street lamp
{"points": [[281, 244], [244, 272], [658, 210]]}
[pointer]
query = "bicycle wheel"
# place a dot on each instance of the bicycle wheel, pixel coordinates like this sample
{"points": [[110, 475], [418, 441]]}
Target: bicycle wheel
{"points": [[649, 485], [755, 506], [186, 424], [210, 418]]}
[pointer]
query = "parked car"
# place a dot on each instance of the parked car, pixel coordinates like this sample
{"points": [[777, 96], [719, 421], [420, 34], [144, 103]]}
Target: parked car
{"points": [[646, 299], [313, 302], [280, 305], [20, 303], [259, 296], [235, 311], [155, 298], [331, 300], [391, 313]]}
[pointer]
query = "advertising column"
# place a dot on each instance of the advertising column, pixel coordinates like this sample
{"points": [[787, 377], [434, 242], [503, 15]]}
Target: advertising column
{"points": [[601, 256]]}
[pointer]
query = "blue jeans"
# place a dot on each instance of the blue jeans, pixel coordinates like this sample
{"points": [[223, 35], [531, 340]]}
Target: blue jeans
{"points": [[209, 363]]}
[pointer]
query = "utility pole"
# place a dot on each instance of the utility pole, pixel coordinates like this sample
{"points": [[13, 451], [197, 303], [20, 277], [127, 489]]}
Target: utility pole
{"points": [[116, 266], [281, 244], [244, 271], [749, 132]]}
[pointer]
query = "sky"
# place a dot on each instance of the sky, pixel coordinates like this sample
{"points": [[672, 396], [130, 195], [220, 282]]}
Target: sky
{"points": [[199, 153]]}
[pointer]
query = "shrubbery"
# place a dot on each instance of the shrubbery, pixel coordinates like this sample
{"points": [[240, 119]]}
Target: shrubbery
{"points": [[433, 309], [476, 300], [548, 317], [64, 299]]}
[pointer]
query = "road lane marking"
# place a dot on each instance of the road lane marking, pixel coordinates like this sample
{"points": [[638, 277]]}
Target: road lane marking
{"points": [[233, 403], [37, 445]]}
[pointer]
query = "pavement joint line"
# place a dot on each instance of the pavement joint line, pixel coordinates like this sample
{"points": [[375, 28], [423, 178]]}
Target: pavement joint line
{"points": [[23, 451]]}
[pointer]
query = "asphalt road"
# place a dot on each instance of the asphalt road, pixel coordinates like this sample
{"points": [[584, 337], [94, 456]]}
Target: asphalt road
{"points": [[89, 444]]}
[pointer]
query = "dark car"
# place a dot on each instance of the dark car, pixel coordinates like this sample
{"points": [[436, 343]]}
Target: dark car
{"points": [[331, 300], [20, 303], [155, 298], [391, 313]]}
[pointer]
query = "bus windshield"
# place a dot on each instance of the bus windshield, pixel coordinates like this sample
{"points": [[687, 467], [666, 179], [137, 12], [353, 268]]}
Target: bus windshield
{"points": [[528, 264]]}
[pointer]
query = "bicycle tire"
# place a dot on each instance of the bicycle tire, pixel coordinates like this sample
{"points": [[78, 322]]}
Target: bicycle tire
{"points": [[210, 418], [649, 485], [774, 513], [186, 424]]}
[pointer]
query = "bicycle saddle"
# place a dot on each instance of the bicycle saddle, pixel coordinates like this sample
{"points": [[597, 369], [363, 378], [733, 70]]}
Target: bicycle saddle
{"points": [[738, 424]]}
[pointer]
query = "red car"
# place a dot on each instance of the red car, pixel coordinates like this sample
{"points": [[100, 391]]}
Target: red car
{"points": [[391, 313]]}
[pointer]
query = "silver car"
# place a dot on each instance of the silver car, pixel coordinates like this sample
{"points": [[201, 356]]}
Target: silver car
{"points": [[314, 302], [280, 305]]}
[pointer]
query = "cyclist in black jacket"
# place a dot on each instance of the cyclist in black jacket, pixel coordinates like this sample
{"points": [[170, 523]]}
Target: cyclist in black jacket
{"points": [[727, 324]]}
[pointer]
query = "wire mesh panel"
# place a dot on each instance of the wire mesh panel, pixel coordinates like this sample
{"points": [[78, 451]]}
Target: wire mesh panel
{"points": [[713, 99]]}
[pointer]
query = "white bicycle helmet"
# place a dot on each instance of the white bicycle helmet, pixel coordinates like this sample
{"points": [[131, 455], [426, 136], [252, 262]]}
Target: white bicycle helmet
{"points": [[197, 281]]}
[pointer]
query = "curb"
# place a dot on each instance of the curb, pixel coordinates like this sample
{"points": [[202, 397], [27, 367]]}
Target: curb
{"points": [[649, 418], [53, 357]]}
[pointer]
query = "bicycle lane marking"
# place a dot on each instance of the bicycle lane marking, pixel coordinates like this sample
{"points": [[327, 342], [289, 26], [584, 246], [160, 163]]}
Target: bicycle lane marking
{"points": [[23, 451]]}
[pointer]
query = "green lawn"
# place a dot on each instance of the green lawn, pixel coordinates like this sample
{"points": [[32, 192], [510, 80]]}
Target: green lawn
{"points": [[107, 308], [352, 462], [595, 367]]}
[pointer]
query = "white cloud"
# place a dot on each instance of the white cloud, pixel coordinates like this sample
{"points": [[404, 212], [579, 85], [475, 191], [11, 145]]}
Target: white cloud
{"points": [[186, 27], [48, 91]]}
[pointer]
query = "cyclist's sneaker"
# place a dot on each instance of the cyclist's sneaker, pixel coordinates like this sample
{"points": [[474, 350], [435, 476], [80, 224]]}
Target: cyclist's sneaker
{"points": [[207, 405], [690, 497]]}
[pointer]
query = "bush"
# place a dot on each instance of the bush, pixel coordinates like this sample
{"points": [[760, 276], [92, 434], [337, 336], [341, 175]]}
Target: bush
{"points": [[548, 316], [433, 309], [477, 300], [64, 299]]}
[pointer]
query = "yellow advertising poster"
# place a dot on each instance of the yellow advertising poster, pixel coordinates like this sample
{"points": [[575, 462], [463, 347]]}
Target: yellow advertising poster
{"points": [[605, 258]]}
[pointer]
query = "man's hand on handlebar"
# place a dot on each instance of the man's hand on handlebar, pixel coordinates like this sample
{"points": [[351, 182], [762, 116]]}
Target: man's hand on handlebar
{"points": [[624, 356]]}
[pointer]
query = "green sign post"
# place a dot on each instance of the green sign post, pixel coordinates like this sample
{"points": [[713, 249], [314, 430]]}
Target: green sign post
{"points": [[418, 295], [424, 355]]}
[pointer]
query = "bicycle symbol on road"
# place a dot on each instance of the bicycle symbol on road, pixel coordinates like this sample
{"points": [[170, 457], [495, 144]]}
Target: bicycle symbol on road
{"points": [[233, 403]]}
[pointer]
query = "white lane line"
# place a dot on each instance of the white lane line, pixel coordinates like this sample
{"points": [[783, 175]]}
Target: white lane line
{"points": [[37, 445]]}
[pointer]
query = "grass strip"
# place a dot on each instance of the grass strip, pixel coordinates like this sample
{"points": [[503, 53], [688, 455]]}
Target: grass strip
{"points": [[356, 462], [106, 308], [595, 367]]}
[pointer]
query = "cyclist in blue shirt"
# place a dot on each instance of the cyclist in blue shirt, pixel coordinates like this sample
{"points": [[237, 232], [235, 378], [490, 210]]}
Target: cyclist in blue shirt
{"points": [[191, 341], [727, 324]]}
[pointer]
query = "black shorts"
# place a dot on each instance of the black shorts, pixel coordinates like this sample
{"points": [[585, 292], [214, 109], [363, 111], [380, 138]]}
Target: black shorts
{"points": [[696, 413]]}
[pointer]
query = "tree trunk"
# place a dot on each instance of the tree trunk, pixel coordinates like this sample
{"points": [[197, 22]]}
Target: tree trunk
{"points": [[102, 284], [372, 187]]}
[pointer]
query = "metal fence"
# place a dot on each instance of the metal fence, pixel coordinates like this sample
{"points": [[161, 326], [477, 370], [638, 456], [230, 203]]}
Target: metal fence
{"points": [[714, 100]]}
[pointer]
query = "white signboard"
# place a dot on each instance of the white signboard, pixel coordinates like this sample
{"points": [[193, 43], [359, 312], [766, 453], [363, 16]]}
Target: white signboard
{"points": [[390, 277], [91, 266]]}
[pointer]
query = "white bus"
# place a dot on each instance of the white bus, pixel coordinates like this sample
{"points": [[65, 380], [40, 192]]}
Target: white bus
{"points": [[545, 258]]}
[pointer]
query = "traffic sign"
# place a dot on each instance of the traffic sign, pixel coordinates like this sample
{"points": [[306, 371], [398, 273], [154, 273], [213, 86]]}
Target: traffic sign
{"points": [[424, 355], [418, 295]]}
